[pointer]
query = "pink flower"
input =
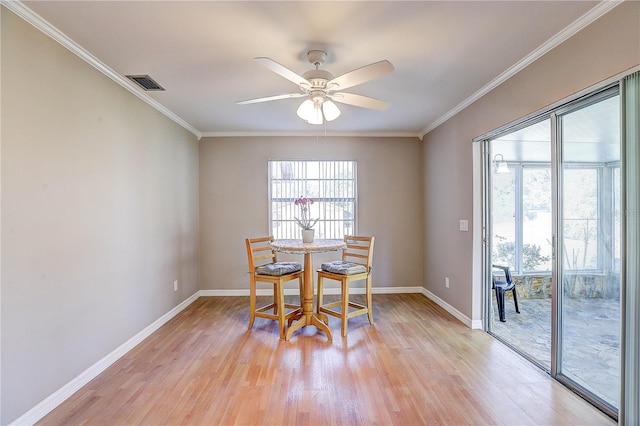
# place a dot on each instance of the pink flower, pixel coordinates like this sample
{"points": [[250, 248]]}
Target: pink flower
{"points": [[303, 201], [305, 222]]}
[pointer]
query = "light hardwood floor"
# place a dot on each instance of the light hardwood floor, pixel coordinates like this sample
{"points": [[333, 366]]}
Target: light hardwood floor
{"points": [[416, 365]]}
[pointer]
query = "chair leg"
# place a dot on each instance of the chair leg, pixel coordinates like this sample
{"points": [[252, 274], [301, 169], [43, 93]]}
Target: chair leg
{"points": [[345, 306], [369, 300], [515, 299], [279, 301], [252, 301], [275, 300], [320, 290], [500, 300]]}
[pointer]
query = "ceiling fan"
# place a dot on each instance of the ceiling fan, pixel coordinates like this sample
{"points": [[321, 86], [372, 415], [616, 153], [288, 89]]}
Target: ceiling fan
{"points": [[321, 88]]}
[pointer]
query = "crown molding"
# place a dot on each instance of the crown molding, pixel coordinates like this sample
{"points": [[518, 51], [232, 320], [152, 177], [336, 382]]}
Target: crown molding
{"points": [[37, 21], [591, 16], [321, 134]]}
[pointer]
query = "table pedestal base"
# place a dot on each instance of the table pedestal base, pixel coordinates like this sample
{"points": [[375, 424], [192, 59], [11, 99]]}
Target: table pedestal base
{"points": [[317, 320], [308, 316]]}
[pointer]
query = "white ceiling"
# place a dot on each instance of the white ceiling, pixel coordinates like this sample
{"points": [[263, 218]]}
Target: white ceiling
{"points": [[445, 53]]}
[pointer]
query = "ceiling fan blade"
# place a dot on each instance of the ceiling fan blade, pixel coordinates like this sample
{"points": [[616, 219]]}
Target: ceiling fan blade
{"points": [[359, 101], [360, 75], [283, 71], [271, 98]]}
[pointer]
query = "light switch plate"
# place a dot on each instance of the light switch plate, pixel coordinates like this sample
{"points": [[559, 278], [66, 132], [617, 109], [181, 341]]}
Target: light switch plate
{"points": [[464, 225]]}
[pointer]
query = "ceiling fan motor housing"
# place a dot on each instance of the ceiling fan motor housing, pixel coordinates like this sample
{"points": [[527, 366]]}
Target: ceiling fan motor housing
{"points": [[317, 57], [318, 78], [317, 96]]}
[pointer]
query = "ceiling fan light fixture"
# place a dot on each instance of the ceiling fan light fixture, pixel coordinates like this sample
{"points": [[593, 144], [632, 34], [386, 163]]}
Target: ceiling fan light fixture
{"points": [[330, 110], [305, 110], [316, 115], [311, 111]]}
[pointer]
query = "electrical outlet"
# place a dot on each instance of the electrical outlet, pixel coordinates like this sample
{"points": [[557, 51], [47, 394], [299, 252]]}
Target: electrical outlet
{"points": [[446, 282], [175, 285]]}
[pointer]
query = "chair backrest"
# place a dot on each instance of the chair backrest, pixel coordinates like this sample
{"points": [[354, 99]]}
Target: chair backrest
{"points": [[259, 252], [359, 250], [507, 274]]}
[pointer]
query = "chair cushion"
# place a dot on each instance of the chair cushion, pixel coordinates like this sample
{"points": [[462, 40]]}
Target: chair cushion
{"points": [[344, 268], [279, 268]]}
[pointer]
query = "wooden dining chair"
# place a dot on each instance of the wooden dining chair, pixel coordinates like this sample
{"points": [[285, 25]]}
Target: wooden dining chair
{"points": [[264, 267], [356, 265]]}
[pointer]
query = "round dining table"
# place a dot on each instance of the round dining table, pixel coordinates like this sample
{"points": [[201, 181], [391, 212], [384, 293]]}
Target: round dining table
{"points": [[308, 316]]}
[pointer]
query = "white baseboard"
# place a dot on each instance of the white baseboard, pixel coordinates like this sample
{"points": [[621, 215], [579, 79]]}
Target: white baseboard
{"points": [[453, 311], [327, 290], [61, 395], [477, 325]]}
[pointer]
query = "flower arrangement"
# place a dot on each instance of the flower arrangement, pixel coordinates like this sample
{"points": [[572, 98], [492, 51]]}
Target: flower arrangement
{"points": [[305, 222]]}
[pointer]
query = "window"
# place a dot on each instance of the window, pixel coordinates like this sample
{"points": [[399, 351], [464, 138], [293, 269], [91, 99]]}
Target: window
{"points": [[536, 224], [330, 184], [581, 218], [521, 199], [522, 218]]}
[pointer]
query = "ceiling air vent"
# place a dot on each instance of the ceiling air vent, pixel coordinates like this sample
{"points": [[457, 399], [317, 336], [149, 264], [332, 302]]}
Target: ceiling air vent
{"points": [[146, 82]]}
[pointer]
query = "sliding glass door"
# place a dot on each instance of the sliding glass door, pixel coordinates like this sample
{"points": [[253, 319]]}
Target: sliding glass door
{"points": [[553, 234], [589, 247], [521, 237]]}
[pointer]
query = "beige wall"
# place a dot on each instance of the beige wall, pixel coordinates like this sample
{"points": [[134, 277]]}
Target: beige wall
{"points": [[234, 195], [605, 48], [99, 216]]}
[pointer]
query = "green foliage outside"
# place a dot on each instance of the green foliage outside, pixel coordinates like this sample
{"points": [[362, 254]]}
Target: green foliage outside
{"points": [[505, 254]]}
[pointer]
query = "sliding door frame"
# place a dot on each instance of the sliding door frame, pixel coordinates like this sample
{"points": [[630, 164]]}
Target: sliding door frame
{"points": [[554, 113], [557, 161]]}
